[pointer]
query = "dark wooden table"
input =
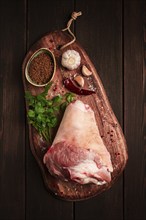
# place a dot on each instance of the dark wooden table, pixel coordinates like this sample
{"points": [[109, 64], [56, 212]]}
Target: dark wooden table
{"points": [[113, 32]]}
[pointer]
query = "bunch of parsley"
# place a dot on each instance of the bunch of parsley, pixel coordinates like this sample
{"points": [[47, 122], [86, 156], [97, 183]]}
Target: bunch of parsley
{"points": [[43, 113]]}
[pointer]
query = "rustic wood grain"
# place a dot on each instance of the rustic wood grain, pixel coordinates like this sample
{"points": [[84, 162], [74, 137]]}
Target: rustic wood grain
{"points": [[12, 111], [101, 36], [103, 18], [108, 125], [44, 17], [134, 81]]}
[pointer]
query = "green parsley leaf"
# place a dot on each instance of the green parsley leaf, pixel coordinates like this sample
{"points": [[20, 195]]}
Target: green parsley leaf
{"points": [[43, 113]]}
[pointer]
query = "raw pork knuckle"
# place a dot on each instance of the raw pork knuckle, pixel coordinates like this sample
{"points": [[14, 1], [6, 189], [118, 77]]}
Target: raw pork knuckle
{"points": [[78, 152]]}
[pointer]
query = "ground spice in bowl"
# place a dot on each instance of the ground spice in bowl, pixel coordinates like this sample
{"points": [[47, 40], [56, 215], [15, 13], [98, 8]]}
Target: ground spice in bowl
{"points": [[41, 68]]}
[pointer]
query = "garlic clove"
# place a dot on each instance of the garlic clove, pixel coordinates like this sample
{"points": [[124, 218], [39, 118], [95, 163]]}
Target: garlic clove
{"points": [[86, 71], [79, 80]]}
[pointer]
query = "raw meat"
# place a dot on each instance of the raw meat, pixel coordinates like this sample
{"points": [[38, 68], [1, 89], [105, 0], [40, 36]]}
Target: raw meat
{"points": [[78, 152]]}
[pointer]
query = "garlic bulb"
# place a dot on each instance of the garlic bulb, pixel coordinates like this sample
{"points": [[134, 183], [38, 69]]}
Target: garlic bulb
{"points": [[71, 59]]}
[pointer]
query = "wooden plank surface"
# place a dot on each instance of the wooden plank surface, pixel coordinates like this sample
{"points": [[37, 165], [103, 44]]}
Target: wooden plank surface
{"points": [[101, 36], [43, 18], [135, 185], [111, 32], [12, 112]]}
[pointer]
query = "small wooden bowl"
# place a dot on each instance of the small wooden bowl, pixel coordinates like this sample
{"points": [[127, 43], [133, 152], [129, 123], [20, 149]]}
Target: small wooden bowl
{"points": [[41, 50]]}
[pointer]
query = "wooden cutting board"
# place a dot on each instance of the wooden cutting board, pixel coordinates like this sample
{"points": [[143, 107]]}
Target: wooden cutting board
{"points": [[109, 127]]}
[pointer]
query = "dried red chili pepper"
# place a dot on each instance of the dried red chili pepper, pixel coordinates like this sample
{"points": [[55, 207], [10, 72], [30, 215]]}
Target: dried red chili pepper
{"points": [[73, 88]]}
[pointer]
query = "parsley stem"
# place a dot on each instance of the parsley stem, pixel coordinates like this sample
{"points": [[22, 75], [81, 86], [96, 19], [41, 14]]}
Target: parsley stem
{"points": [[43, 113]]}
